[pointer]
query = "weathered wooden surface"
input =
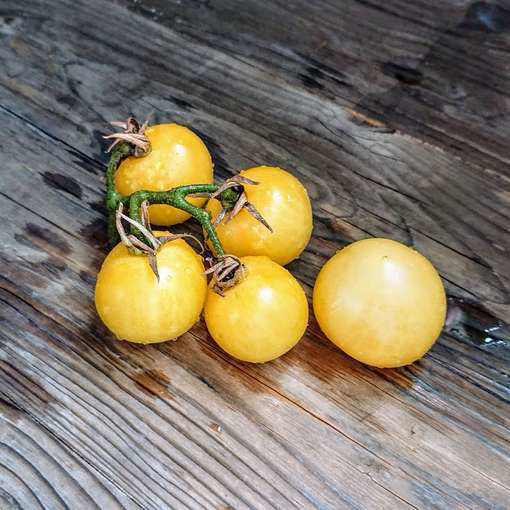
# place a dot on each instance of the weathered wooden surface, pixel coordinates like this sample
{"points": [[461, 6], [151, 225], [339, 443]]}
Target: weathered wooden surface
{"points": [[396, 118]]}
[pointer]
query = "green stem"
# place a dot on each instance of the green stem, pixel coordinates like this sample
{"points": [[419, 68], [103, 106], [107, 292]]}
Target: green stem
{"points": [[113, 197], [177, 198]]}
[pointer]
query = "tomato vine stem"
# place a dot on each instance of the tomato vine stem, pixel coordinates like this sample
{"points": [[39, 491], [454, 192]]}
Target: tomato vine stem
{"points": [[176, 197], [113, 197], [230, 193]]}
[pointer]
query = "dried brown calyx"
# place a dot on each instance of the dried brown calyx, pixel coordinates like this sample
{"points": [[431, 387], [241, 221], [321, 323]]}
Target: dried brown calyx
{"points": [[132, 133], [235, 201], [227, 271], [137, 245]]}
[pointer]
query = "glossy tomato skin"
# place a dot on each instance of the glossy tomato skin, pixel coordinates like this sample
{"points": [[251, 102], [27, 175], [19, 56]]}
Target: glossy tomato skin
{"points": [[381, 302], [262, 317], [178, 157], [135, 307], [283, 201]]}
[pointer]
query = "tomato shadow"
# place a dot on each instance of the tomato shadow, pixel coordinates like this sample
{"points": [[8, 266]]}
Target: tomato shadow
{"points": [[329, 365]]}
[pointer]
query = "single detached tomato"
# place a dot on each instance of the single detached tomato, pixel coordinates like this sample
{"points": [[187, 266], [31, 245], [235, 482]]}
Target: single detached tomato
{"points": [[136, 307], [177, 157], [381, 302], [283, 202], [260, 318]]}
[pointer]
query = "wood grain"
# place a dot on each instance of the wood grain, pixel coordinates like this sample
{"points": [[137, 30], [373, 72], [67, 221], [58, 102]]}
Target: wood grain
{"points": [[37, 471], [435, 70], [182, 425], [363, 182], [70, 306]]}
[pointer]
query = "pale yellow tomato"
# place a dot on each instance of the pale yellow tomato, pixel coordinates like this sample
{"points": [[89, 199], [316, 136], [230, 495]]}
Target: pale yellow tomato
{"points": [[262, 317], [138, 308], [178, 157], [381, 302], [283, 202]]}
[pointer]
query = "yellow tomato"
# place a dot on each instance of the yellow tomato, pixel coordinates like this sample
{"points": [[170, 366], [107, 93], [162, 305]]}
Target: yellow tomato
{"points": [[283, 202], [178, 157], [381, 302], [135, 307], [260, 318]]}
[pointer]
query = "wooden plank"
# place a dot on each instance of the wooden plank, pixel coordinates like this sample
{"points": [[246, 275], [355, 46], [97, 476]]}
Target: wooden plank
{"points": [[313, 429], [435, 70], [380, 183], [180, 424], [192, 442], [38, 472], [158, 439]]}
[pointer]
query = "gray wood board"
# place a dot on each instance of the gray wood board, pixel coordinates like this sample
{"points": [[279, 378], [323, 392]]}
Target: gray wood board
{"points": [[181, 425]]}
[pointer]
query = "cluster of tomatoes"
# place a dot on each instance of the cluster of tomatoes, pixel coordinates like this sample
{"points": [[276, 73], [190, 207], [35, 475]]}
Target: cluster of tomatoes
{"points": [[381, 302]]}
